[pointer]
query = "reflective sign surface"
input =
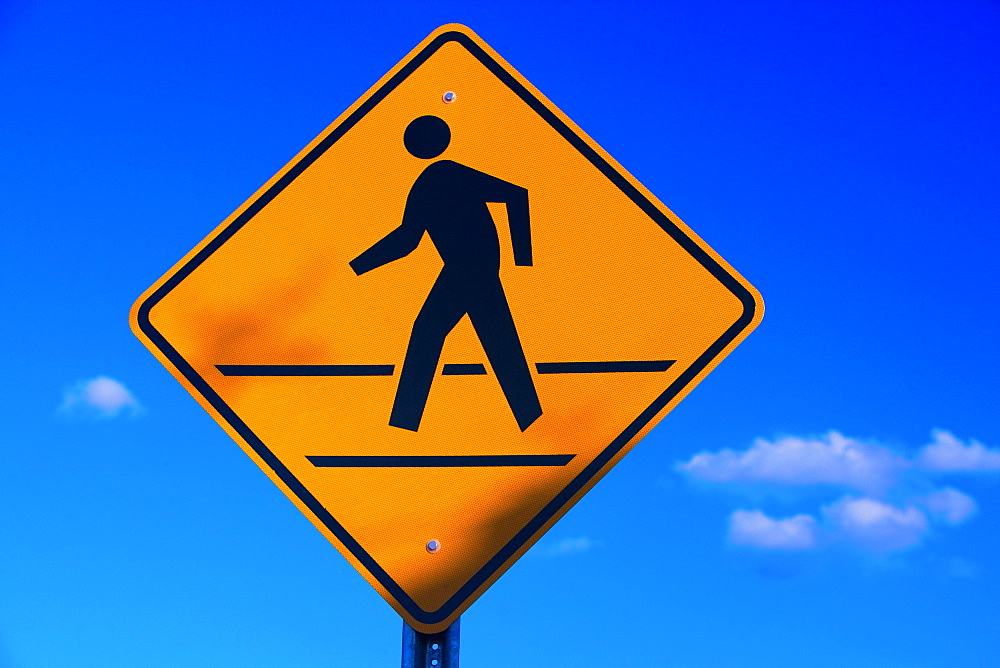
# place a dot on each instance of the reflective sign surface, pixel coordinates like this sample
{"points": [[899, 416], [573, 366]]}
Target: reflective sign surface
{"points": [[443, 321]]}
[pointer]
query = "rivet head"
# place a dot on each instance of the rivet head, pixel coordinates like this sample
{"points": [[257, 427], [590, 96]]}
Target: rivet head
{"points": [[448, 97], [433, 546]]}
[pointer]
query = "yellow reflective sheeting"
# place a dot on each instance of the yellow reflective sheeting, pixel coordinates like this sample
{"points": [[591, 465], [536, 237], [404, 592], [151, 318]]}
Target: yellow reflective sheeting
{"points": [[615, 277]]}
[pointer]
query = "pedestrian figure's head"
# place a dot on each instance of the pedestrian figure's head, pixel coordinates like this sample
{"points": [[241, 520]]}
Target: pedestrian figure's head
{"points": [[427, 137]]}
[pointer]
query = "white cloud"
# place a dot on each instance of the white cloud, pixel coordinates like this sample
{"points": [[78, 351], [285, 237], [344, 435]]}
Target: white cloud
{"points": [[568, 546], [833, 459], [99, 397], [752, 528], [949, 505], [947, 453], [876, 525], [862, 522], [894, 512]]}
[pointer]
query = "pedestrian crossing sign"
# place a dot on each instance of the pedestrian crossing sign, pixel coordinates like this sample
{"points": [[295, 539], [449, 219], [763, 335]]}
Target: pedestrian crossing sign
{"points": [[441, 323]]}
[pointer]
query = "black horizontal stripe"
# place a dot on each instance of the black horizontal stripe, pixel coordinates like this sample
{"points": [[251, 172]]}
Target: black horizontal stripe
{"points": [[626, 366], [306, 369], [604, 367], [463, 370], [387, 461]]}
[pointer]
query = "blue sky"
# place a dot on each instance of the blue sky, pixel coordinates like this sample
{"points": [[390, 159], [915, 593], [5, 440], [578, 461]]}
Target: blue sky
{"points": [[829, 496]]}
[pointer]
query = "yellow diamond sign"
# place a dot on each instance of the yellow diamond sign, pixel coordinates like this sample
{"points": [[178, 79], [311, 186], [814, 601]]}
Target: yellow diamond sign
{"points": [[443, 321]]}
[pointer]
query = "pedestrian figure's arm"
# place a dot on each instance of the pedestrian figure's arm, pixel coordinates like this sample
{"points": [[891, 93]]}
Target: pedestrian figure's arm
{"points": [[516, 199], [520, 225], [399, 243]]}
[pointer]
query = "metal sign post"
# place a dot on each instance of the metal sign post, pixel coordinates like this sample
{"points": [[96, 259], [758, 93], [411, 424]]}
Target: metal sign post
{"points": [[431, 650]]}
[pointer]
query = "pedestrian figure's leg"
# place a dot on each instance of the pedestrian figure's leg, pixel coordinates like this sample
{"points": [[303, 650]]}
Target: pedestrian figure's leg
{"points": [[438, 316], [490, 315]]}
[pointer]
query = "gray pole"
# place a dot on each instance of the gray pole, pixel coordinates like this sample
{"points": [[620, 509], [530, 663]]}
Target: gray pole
{"points": [[430, 650]]}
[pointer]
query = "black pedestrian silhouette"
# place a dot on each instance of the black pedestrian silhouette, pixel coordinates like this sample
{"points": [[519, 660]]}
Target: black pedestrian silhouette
{"points": [[448, 201]]}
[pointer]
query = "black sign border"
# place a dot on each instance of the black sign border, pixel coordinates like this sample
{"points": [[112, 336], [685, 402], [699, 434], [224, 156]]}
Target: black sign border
{"points": [[585, 476]]}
